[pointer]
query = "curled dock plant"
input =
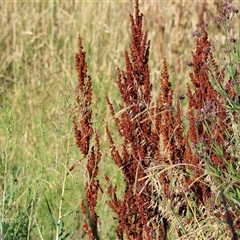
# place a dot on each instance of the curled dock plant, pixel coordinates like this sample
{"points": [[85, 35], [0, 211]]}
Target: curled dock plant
{"points": [[179, 167]]}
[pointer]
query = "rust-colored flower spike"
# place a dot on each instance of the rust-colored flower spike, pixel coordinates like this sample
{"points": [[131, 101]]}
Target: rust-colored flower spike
{"points": [[82, 114], [82, 121], [207, 123], [140, 140], [166, 105]]}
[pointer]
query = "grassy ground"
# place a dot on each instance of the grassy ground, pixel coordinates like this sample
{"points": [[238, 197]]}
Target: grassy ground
{"points": [[37, 75]]}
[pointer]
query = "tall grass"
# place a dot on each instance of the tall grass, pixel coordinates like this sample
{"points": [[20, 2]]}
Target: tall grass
{"points": [[42, 174]]}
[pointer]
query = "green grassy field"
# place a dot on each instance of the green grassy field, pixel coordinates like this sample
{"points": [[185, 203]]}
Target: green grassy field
{"points": [[38, 44]]}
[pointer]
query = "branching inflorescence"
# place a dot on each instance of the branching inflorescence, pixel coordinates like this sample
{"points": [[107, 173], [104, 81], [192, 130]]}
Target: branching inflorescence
{"points": [[140, 139]]}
